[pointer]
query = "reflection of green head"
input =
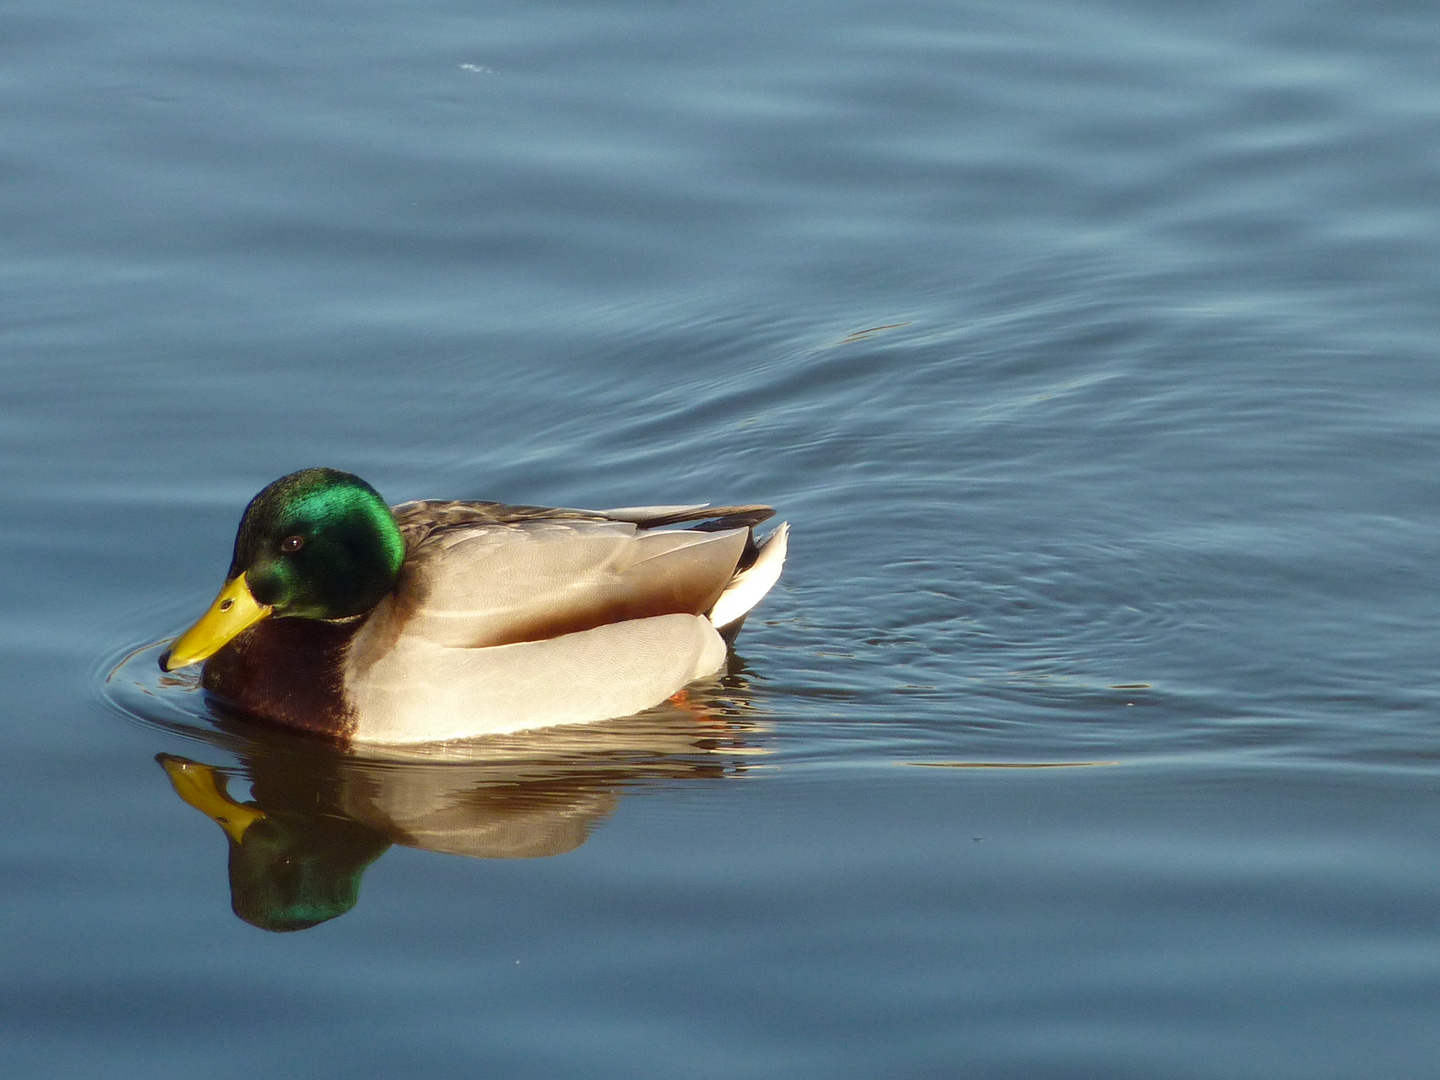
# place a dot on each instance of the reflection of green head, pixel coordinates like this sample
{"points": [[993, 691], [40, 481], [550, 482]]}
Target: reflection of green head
{"points": [[290, 872]]}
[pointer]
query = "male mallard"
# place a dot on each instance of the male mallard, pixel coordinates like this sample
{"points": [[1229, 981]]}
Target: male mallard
{"points": [[443, 620]]}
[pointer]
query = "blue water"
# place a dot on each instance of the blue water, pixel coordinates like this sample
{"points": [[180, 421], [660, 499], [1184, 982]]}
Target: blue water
{"points": [[1091, 352]]}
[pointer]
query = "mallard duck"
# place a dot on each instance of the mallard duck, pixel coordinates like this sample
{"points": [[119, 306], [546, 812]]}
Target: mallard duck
{"points": [[432, 621]]}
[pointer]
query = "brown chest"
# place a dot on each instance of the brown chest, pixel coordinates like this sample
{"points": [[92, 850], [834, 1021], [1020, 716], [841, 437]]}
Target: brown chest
{"points": [[288, 672]]}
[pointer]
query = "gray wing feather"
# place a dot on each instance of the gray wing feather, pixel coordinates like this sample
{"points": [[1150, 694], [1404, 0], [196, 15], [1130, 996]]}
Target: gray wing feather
{"points": [[420, 518], [487, 585]]}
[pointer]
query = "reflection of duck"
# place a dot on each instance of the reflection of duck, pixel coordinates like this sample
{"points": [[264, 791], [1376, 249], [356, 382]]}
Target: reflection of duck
{"points": [[290, 868], [440, 621], [317, 817]]}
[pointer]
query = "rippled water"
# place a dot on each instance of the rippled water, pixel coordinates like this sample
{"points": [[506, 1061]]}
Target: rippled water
{"points": [[1090, 350]]}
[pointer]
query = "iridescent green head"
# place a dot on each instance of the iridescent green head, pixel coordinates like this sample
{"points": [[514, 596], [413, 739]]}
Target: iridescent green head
{"points": [[317, 544]]}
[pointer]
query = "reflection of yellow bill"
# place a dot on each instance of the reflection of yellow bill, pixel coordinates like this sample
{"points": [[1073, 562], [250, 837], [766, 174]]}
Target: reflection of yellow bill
{"points": [[204, 789], [1008, 764], [233, 611]]}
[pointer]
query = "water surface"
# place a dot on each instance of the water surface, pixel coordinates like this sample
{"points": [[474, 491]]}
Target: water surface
{"points": [[1088, 348]]}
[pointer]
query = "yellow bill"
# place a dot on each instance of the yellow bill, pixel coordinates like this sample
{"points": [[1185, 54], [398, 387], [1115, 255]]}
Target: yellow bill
{"points": [[234, 610], [204, 788]]}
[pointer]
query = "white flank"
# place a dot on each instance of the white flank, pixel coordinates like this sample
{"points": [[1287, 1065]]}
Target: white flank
{"points": [[421, 691], [749, 586]]}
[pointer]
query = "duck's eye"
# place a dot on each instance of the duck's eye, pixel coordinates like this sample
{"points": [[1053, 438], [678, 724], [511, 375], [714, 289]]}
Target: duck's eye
{"points": [[292, 544]]}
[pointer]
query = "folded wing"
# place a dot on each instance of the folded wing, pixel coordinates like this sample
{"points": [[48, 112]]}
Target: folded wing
{"points": [[489, 585]]}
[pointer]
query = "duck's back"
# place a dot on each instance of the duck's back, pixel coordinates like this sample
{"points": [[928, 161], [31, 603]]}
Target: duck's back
{"points": [[488, 585]]}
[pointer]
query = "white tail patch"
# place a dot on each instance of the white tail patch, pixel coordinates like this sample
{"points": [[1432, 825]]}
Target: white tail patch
{"points": [[749, 586]]}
